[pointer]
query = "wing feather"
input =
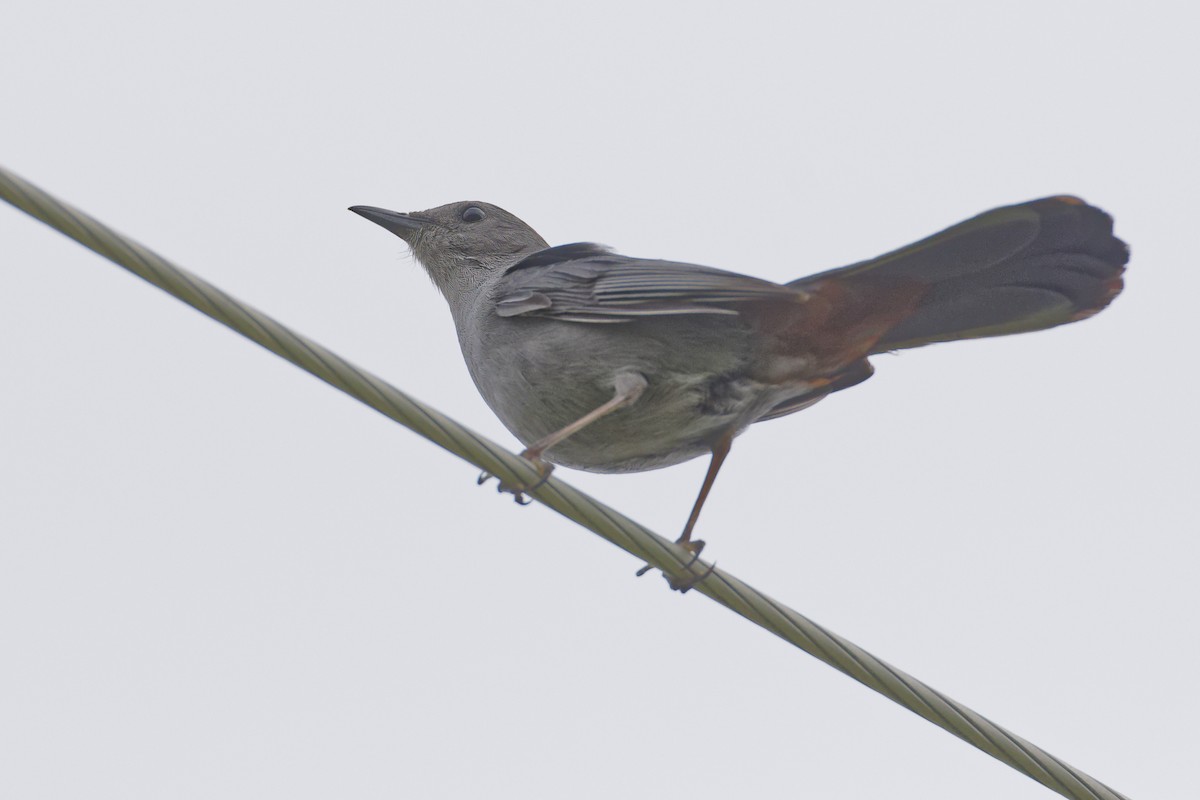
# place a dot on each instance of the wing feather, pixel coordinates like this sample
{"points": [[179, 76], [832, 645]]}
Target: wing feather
{"points": [[587, 283]]}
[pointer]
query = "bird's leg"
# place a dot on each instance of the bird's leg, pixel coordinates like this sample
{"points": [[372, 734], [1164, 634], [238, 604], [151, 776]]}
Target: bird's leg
{"points": [[720, 449], [628, 388]]}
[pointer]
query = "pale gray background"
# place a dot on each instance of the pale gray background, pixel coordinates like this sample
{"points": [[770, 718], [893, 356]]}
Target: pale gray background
{"points": [[221, 578]]}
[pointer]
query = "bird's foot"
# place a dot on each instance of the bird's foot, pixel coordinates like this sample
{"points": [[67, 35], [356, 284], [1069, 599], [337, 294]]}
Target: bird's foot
{"points": [[681, 585], [518, 491]]}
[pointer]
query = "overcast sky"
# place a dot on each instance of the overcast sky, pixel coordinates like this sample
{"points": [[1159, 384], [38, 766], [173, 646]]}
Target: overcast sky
{"points": [[220, 577]]}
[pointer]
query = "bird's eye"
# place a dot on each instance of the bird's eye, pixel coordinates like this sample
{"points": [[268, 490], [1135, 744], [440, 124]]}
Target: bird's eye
{"points": [[473, 214]]}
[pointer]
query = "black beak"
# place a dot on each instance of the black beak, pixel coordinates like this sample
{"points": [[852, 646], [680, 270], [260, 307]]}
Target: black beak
{"points": [[403, 225]]}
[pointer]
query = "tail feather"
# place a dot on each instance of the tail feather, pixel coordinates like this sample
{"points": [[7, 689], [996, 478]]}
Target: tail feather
{"points": [[1011, 270]]}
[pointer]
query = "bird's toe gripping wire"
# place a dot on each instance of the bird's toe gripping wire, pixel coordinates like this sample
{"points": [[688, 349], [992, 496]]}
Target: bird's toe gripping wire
{"points": [[682, 585], [518, 491]]}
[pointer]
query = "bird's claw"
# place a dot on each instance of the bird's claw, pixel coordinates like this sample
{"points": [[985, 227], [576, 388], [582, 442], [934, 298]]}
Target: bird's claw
{"points": [[681, 585], [519, 491]]}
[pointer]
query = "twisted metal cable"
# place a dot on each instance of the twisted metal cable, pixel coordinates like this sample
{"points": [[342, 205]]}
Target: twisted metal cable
{"points": [[596, 517]]}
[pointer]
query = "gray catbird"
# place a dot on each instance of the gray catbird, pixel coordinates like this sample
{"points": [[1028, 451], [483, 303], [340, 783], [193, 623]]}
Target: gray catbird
{"points": [[609, 363]]}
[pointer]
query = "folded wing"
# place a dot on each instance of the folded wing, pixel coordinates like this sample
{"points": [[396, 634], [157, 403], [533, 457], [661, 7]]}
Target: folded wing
{"points": [[590, 284]]}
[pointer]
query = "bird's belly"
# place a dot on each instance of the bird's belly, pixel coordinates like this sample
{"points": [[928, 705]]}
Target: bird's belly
{"points": [[668, 424], [694, 394]]}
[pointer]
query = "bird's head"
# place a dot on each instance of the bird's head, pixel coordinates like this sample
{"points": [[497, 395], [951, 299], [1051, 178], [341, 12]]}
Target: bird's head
{"points": [[459, 244]]}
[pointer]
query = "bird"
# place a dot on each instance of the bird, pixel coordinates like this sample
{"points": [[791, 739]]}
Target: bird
{"points": [[610, 363]]}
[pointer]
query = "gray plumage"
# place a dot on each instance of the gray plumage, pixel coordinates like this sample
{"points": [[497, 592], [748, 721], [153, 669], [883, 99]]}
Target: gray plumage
{"points": [[550, 334]]}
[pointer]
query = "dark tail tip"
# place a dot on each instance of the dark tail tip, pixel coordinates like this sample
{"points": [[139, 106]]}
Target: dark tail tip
{"points": [[1069, 268]]}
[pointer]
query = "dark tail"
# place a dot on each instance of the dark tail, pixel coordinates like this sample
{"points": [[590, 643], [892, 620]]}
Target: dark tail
{"points": [[1010, 270]]}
